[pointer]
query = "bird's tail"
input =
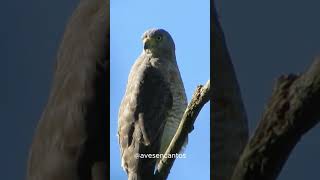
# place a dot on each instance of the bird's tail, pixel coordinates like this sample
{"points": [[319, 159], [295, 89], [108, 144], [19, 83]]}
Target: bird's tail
{"points": [[143, 176], [133, 176], [144, 170]]}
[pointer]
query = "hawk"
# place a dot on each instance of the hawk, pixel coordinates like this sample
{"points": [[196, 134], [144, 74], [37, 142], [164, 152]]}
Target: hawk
{"points": [[152, 107]]}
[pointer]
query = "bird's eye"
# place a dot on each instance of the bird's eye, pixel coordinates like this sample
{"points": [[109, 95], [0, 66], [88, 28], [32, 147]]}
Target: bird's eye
{"points": [[159, 38]]}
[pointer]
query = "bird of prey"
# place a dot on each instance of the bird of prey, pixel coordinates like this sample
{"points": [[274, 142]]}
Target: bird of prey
{"points": [[70, 140], [152, 107]]}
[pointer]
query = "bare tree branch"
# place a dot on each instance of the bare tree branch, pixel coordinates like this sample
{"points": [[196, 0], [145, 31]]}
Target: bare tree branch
{"points": [[292, 111], [200, 97]]}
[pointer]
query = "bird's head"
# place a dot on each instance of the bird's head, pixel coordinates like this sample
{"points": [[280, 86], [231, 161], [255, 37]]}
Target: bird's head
{"points": [[157, 41]]}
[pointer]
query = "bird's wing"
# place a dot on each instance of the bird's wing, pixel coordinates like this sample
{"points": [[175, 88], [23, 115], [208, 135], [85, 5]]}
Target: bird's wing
{"points": [[153, 101], [146, 103], [142, 114]]}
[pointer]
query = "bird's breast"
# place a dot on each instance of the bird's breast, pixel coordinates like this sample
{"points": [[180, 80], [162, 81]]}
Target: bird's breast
{"points": [[175, 114]]}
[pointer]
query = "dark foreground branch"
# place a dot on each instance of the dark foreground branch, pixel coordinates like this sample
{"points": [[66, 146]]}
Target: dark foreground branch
{"points": [[229, 124], [292, 111], [199, 99]]}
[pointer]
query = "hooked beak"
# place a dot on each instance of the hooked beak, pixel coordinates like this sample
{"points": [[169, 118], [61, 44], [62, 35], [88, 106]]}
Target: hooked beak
{"points": [[148, 43]]}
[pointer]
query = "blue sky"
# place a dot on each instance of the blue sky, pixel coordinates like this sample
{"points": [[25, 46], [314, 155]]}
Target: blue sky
{"points": [[188, 23]]}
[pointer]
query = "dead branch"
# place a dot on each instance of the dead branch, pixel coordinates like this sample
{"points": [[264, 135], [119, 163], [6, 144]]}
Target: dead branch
{"points": [[293, 110]]}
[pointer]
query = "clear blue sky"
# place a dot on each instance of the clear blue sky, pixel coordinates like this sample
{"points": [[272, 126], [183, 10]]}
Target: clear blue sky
{"points": [[188, 23]]}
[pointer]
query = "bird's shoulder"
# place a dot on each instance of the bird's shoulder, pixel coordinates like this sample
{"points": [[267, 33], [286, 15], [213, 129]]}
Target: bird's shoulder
{"points": [[145, 76], [147, 100], [146, 65]]}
